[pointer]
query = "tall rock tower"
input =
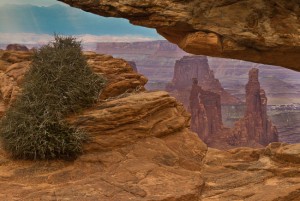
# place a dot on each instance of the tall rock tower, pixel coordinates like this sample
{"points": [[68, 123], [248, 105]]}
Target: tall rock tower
{"points": [[206, 117], [255, 126]]}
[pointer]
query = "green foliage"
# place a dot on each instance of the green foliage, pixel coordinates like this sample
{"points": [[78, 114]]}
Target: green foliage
{"points": [[58, 83]]}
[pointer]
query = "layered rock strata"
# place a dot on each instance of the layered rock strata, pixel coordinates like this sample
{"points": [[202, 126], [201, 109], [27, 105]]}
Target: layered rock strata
{"points": [[120, 76], [138, 142], [205, 108], [255, 126], [255, 30], [190, 67], [271, 173], [154, 59], [142, 150]]}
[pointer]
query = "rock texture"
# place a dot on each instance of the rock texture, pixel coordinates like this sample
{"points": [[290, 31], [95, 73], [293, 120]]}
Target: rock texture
{"points": [[255, 126], [121, 77], [205, 107], [253, 130], [131, 118], [252, 174], [141, 149], [254, 30], [190, 67]]}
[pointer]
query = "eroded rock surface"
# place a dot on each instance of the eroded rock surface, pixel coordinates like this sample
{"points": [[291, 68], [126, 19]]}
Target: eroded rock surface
{"points": [[205, 107], [140, 146], [190, 67], [254, 30], [252, 174], [255, 126], [137, 152], [121, 78], [141, 149]]}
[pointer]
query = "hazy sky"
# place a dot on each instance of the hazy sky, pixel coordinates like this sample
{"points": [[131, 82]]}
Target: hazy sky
{"points": [[33, 2], [19, 18]]}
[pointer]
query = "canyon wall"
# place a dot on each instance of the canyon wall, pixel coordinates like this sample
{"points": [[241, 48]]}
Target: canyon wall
{"points": [[282, 85], [154, 59], [255, 30], [205, 108], [190, 67], [253, 130]]}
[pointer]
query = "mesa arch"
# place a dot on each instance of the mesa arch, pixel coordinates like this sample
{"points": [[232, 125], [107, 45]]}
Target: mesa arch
{"points": [[262, 31]]}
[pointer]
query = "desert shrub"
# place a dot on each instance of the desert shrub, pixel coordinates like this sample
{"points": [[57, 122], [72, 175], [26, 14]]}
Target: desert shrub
{"points": [[58, 83]]}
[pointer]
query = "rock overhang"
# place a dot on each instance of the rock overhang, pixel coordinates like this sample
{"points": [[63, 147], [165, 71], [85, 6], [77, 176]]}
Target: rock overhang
{"points": [[254, 30]]}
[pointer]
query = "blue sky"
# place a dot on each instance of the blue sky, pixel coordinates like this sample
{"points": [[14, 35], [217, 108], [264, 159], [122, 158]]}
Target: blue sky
{"points": [[33, 2], [50, 16]]}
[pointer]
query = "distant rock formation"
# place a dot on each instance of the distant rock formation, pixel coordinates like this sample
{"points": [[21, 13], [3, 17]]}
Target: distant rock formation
{"points": [[16, 47], [205, 107], [253, 130], [255, 126], [133, 65], [154, 59], [190, 67]]}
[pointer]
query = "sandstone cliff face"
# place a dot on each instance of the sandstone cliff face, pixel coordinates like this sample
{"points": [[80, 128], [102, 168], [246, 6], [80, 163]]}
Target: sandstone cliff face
{"points": [[202, 98], [190, 67], [255, 126], [120, 75], [254, 30], [205, 107], [142, 150]]}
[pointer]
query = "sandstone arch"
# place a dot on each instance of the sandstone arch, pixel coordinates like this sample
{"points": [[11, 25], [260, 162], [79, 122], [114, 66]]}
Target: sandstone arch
{"points": [[263, 31]]}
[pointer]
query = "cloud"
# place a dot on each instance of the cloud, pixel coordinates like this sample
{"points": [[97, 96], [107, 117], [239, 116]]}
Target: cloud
{"points": [[64, 20], [40, 39]]}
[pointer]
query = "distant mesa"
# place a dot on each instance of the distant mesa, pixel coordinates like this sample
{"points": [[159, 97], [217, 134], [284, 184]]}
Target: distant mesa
{"points": [[190, 67], [133, 65], [16, 47]]}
